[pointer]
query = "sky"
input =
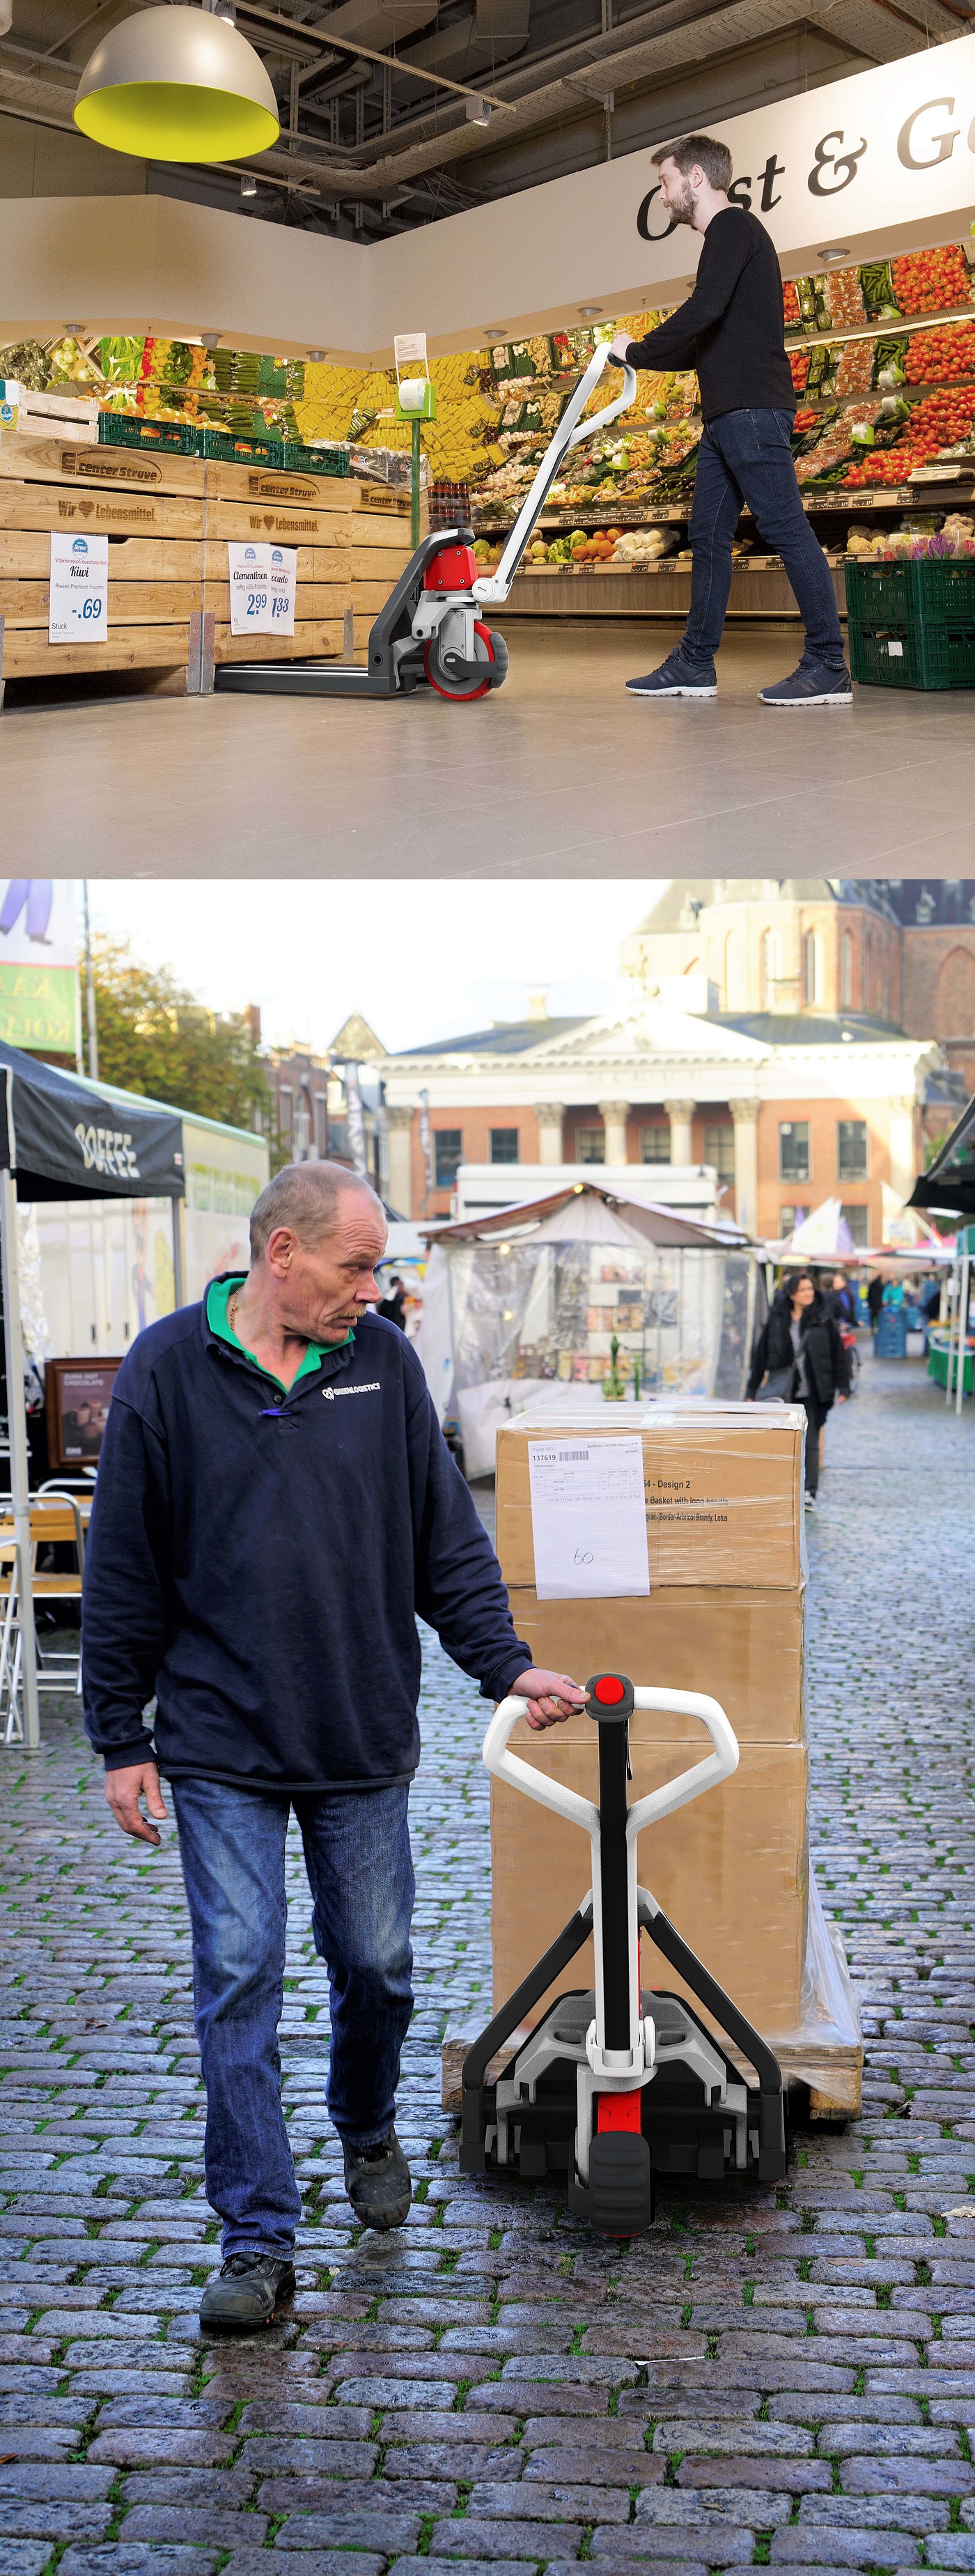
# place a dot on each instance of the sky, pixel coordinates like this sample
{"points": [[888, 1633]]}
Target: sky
{"points": [[421, 960]]}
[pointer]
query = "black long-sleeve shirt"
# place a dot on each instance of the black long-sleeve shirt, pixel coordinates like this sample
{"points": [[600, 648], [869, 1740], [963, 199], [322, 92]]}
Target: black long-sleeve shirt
{"points": [[732, 328]]}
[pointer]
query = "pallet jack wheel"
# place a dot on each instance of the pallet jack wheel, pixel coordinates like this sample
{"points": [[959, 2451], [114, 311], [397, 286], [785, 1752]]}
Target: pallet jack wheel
{"points": [[455, 679], [620, 2183]]}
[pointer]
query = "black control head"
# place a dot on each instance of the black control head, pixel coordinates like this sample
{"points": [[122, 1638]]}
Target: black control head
{"points": [[610, 1698]]}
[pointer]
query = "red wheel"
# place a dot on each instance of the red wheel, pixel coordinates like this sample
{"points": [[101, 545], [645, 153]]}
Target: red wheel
{"points": [[464, 686]]}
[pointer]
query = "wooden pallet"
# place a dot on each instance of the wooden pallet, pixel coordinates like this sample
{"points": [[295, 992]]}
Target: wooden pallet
{"points": [[834, 2096]]}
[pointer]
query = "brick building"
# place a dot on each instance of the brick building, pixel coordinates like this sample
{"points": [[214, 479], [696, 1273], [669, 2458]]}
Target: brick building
{"points": [[762, 1028]]}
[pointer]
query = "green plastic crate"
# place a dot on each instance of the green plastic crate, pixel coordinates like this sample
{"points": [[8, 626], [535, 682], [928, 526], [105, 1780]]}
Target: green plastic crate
{"points": [[912, 624], [243, 447], [161, 437], [316, 460]]}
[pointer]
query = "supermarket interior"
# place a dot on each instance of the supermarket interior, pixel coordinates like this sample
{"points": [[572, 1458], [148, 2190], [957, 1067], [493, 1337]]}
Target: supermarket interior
{"points": [[262, 416]]}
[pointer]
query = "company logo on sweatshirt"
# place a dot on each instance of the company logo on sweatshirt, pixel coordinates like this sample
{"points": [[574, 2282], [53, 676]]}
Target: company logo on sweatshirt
{"points": [[371, 1387]]}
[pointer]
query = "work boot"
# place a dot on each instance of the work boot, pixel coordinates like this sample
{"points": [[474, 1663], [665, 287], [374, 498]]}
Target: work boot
{"points": [[378, 2183], [248, 2290], [677, 678]]}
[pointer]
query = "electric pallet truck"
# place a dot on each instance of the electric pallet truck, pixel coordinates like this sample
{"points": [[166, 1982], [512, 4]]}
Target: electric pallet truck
{"points": [[618, 2085], [431, 633]]}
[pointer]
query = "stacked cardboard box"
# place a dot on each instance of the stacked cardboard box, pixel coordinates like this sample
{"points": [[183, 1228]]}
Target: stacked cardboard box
{"points": [[724, 1615]]}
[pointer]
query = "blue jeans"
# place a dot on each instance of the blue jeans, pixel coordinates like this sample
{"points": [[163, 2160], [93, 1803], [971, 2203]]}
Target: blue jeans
{"points": [[360, 1871], [745, 459]]}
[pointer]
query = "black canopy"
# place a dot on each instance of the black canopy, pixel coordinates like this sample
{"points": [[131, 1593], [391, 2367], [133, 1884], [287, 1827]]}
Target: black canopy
{"points": [[950, 1182], [68, 1139]]}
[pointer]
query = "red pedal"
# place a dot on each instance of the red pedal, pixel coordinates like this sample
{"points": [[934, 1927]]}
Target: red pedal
{"points": [[454, 568], [618, 2111]]}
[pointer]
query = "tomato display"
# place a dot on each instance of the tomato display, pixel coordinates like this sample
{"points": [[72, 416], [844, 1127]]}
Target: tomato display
{"points": [[931, 281], [799, 364], [937, 357], [790, 301], [941, 420]]}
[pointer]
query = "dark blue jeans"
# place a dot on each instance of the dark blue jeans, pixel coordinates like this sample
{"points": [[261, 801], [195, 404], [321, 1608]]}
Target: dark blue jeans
{"points": [[360, 1871], [745, 459]]}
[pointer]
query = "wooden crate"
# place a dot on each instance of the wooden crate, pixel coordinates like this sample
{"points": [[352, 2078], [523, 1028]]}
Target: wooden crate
{"points": [[150, 507], [313, 640]]}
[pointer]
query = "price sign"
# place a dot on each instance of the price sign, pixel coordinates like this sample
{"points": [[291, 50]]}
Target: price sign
{"points": [[263, 581], [78, 612]]}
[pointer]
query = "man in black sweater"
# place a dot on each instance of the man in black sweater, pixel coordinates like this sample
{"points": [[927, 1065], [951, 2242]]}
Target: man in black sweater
{"points": [[275, 1505], [732, 330]]}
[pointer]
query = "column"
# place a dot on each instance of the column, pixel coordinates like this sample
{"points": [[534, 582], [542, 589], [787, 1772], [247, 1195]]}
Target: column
{"points": [[614, 1115], [399, 1126], [745, 1115], [901, 1147], [680, 1114], [550, 1114]]}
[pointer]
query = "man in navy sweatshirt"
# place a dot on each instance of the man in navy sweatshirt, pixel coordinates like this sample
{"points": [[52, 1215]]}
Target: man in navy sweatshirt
{"points": [[732, 330], [275, 1504]]}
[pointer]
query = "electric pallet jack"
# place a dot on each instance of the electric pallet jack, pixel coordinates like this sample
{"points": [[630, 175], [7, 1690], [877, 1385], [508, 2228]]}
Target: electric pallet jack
{"points": [[431, 633], [617, 2085]]}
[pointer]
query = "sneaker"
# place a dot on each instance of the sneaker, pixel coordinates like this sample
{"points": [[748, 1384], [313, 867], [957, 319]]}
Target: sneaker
{"points": [[677, 678], [378, 2183], [810, 1502], [248, 2290], [814, 684]]}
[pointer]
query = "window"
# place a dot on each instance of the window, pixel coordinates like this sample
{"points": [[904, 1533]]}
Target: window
{"points": [[851, 1149], [719, 1149], [448, 1151], [812, 970], [735, 991], [794, 1150], [655, 1143], [857, 1218], [846, 971], [286, 1105], [504, 1144], [590, 1145], [771, 969], [789, 1218]]}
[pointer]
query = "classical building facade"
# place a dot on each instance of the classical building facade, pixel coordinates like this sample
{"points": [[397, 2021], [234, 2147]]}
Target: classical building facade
{"points": [[760, 1028]]}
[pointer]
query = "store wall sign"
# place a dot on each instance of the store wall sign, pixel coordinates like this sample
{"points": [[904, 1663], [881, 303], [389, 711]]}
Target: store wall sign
{"points": [[830, 163], [78, 609]]}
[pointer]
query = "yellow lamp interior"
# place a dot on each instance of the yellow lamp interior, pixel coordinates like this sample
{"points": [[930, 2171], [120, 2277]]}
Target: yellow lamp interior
{"points": [[175, 121]]}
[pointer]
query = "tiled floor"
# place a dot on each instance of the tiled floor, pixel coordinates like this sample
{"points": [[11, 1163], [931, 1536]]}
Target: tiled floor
{"points": [[556, 774], [770, 2377]]}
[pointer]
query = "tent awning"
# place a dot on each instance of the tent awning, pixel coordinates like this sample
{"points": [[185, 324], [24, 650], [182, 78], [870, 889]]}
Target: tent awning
{"points": [[655, 1225], [950, 1181], [63, 1138]]}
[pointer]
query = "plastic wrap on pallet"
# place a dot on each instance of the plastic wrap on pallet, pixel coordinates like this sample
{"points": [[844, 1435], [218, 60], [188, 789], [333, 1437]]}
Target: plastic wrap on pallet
{"points": [[829, 2019], [386, 465]]}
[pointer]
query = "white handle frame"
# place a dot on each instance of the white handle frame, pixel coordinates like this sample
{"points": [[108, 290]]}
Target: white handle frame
{"points": [[618, 2068], [491, 588]]}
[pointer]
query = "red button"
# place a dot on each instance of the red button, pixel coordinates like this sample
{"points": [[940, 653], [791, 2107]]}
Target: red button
{"points": [[609, 1692]]}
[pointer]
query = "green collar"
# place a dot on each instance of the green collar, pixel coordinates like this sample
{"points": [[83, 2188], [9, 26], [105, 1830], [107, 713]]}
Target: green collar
{"points": [[218, 1298]]}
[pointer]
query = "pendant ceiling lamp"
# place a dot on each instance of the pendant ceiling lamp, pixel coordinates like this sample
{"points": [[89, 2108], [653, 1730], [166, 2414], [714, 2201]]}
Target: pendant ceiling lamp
{"points": [[176, 84]]}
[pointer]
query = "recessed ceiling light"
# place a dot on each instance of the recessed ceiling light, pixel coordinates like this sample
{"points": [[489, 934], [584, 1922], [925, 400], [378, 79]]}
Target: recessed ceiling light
{"points": [[317, 357], [589, 311], [248, 185], [210, 339], [831, 256]]}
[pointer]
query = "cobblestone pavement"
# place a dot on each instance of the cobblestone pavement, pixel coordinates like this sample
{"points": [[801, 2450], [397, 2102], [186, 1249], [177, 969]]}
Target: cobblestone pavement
{"points": [[770, 2378]]}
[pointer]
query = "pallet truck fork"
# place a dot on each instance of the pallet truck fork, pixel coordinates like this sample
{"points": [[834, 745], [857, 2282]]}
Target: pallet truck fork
{"points": [[431, 633], [619, 2084]]}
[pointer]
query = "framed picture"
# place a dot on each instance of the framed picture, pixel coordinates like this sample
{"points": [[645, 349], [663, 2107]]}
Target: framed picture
{"points": [[78, 1394]]}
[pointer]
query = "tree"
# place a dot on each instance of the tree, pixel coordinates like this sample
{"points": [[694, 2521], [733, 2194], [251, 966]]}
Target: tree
{"points": [[156, 1039]]}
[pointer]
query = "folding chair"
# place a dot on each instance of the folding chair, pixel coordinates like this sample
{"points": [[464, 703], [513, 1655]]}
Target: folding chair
{"points": [[56, 1519]]}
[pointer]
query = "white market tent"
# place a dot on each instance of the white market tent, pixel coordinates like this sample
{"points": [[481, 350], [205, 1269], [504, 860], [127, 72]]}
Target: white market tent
{"points": [[61, 1138], [522, 1306]]}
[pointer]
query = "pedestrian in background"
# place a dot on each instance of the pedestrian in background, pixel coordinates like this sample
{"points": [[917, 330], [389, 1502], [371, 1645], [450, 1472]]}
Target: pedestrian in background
{"points": [[875, 1299], [799, 1358], [839, 1300]]}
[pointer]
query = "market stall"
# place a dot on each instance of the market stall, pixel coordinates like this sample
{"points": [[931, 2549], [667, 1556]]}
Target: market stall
{"points": [[583, 1296], [61, 1139]]}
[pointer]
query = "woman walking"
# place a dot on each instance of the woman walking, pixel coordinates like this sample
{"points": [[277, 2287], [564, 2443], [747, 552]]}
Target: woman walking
{"points": [[800, 1357]]}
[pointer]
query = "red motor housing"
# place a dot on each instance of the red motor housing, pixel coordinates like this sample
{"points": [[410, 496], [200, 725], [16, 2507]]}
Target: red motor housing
{"points": [[454, 568]]}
